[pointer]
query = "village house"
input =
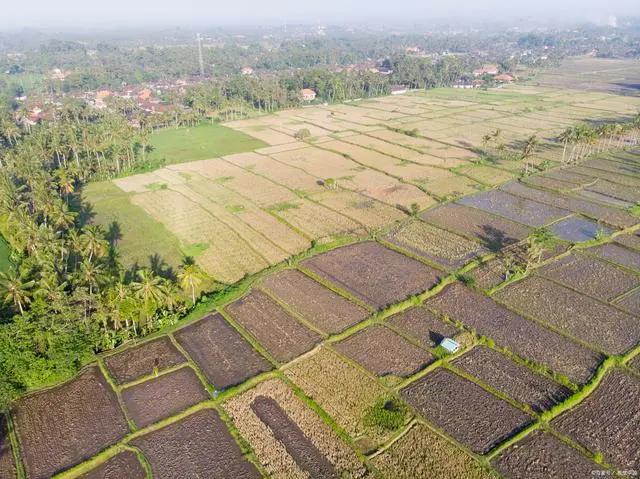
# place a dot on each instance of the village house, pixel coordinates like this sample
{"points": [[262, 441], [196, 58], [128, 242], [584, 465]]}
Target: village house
{"points": [[504, 78], [486, 70], [307, 94]]}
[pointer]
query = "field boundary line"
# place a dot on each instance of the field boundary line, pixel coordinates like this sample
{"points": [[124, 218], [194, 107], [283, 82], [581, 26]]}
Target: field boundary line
{"points": [[117, 391], [14, 441]]}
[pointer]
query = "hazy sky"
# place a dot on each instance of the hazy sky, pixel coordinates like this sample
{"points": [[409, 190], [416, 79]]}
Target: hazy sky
{"points": [[112, 13]]}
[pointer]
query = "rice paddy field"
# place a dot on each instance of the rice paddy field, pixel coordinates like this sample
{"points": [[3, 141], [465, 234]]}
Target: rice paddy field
{"points": [[331, 364]]}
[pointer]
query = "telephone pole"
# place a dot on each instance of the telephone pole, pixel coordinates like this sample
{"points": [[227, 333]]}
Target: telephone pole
{"points": [[200, 60]]}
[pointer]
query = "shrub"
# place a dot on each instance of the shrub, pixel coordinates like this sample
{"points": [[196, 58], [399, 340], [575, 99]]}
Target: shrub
{"points": [[302, 134], [387, 413]]}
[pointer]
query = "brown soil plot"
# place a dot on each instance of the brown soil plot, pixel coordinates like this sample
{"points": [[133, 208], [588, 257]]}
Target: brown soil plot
{"points": [[280, 334], [464, 410], [590, 276], [492, 231], [542, 456], [323, 308], [630, 302], [220, 352], [285, 434], [7, 465], [630, 241], [608, 421], [512, 379], [525, 338], [121, 466], [422, 326], [383, 352], [164, 396], [143, 360], [581, 316], [197, 446], [375, 274], [618, 254], [58, 428]]}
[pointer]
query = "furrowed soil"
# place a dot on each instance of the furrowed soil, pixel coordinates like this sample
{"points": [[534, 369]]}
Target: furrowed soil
{"points": [[618, 254], [591, 276], [421, 453], [7, 464], [512, 379], [139, 361], [493, 232], [422, 326], [464, 410], [630, 303], [301, 449], [57, 428], [124, 465], [280, 454], [383, 352], [608, 421], [630, 241], [375, 274], [323, 308], [164, 396], [281, 335], [220, 352], [524, 338], [581, 316], [541, 456], [434, 244], [197, 446]]}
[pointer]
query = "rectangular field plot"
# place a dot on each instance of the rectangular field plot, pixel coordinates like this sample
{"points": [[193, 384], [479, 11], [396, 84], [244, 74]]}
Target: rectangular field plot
{"points": [[577, 229], [326, 310], [590, 276], [437, 245], [374, 274], [281, 335], [7, 463], [139, 361], [578, 315], [541, 455], [220, 352], [384, 353], [525, 338], [530, 213], [618, 254], [288, 438], [630, 302], [422, 326], [608, 421], [164, 396], [344, 391], [630, 241], [57, 428], [512, 379], [367, 211], [492, 231], [421, 453], [197, 446], [464, 410], [123, 465]]}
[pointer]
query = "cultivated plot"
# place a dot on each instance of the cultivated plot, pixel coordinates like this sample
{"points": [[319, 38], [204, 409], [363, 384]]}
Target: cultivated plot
{"points": [[617, 254], [7, 463], [123, 465], [422, 326]]}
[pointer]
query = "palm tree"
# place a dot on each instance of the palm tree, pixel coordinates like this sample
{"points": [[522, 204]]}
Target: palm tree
{"points": [[149, 289], [190, 277], [528, 150], [92, 242], [15, 290]]}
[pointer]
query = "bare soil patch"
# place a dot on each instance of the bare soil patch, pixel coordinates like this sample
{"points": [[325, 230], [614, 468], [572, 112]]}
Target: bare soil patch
{"points": [[618, 254], [164, 396], [139, 361], [375, 274], [326, 310], [525, 338], [512, 379], [197, 446], [422, 326], [220, 352], [492, 231], [541, 456], [464, 410], [608, 421], [383, 352], [630, 303], [522, 210], [281, 335], [121, 466], [421, 453], [581, 316], [630, 241], [58, 428], [588, 275], [7, 464], [435, 244]]}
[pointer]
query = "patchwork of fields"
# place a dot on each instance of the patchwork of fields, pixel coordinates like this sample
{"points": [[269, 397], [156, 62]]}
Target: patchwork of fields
{"points": [[366, 166], [331, 366]]}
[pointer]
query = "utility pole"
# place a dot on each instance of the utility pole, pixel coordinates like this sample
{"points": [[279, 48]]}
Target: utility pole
{"points": [[200, 55]]}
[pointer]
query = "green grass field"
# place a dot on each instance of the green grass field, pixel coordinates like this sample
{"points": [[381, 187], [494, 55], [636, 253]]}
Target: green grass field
{"points": [[179, 145], [5, 262]]}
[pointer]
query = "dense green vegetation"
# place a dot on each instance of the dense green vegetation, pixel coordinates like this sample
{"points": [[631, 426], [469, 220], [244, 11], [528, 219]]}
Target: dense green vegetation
{"points": [[5, 253]]}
